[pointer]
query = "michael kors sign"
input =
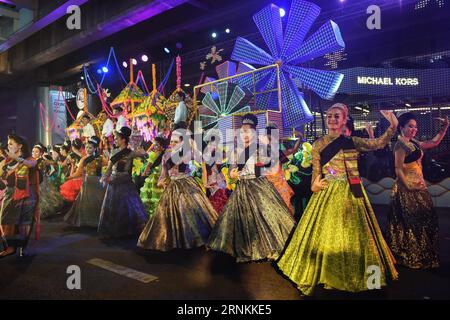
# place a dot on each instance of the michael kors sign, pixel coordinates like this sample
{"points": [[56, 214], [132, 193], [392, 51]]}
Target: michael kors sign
{"points": [[388, 81]]}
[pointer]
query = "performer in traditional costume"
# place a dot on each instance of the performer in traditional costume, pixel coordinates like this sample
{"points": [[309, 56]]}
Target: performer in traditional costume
{"points": [[255, 223], [338, 243], [70, 189], [150, 193], [181, 112], [116, 122], [123, 213], [19, 203], [65, 161], [88, 129], [275, 174], [51, 201], [213, 179], [184, 217], [85, 212], [413, 232], [300, 180]]}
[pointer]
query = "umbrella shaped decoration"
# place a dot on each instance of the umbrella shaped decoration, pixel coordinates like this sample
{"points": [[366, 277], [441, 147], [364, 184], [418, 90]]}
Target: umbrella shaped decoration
{"points": [[290, 49]]}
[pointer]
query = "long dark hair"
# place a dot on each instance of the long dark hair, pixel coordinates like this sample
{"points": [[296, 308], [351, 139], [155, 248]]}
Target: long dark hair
{"points": [[22, 141], [77, 144], [404, 119]]}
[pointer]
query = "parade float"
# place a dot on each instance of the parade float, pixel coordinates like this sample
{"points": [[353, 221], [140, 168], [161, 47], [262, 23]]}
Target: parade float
{"points": [[173, 101]]}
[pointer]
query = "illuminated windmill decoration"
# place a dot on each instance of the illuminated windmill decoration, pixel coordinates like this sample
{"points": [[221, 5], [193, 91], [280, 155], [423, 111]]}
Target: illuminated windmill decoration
{"points": [[230, 99], [334, 58], [289, 50]]}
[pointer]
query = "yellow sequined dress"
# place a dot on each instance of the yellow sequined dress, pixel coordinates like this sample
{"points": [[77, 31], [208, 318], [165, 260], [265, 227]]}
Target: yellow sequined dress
{"points": [[338, 238]]}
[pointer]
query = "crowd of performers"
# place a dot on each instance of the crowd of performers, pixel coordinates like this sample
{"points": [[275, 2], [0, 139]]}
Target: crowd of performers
{"points": [[322, 231]]}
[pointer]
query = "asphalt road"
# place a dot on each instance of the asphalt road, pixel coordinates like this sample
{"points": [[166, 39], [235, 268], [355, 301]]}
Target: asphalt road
{"points": [[180, 274]]}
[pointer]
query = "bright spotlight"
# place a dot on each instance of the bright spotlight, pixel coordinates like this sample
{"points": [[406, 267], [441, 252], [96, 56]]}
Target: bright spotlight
{"points": [[144, 58], [167, 50], [282, 12], [105, 69], [134, 61], [214, 35], [125, 64]]}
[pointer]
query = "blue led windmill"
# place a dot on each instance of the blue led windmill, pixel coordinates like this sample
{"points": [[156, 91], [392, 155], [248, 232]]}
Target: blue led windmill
{"points": [[230, 99], [289, 50]]}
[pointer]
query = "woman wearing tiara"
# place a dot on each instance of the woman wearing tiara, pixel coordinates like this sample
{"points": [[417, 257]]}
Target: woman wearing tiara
{"points": [[413, 231], [338, 243], [255, 223], [85, 212], [184, 217], [122, 213]]}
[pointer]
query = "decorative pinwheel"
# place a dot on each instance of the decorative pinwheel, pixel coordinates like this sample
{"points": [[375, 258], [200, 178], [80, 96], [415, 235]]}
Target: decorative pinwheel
{"points": [[231, 99], [289, 50]]}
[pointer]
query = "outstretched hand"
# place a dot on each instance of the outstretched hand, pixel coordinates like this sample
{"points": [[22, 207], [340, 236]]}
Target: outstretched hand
{"points": [[390, 116], [444, 121]]}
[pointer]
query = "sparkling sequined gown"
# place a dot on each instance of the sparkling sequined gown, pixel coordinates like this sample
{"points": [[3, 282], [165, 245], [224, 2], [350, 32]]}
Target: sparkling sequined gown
{"points": [[338, 237], [51, 201], [413, 231], [255, 223], [85, 212], [184, 217], [122, 213]]}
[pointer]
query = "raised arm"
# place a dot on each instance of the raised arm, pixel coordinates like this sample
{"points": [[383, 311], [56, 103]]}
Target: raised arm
{"points": [[162, 181], [434, 143], [362, 144], [30, 162], [297, 144]]}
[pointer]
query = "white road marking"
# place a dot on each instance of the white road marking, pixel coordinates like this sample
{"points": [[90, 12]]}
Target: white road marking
{"points": [[123, 271]]}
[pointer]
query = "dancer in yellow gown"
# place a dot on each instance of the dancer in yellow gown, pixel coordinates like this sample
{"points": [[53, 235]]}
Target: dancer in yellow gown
{"points": [[338, 243]]}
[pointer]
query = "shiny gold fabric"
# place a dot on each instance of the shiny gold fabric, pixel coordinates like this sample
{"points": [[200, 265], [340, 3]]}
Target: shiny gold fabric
{"points": [[183, 219], [338, 237], [255, 223], [413, 231]]}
